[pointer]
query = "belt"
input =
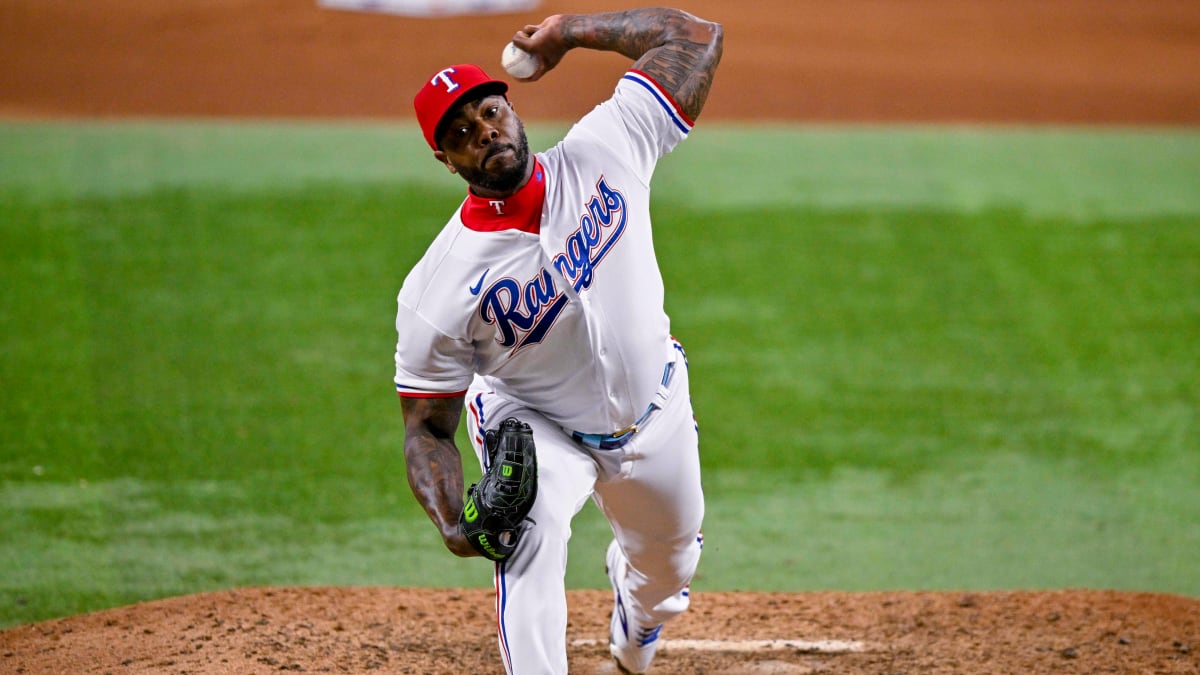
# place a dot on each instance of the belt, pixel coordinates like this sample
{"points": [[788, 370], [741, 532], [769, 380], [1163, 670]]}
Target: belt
{"points": [[621, 437], [617, 439]]}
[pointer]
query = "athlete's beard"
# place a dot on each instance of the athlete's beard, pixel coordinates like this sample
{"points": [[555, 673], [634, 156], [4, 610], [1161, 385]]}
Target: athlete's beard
{"points": [[509, 177]]}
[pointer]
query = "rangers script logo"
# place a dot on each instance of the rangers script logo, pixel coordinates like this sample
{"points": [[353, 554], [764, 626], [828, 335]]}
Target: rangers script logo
{"points": [[524, 313], [600, 226]]}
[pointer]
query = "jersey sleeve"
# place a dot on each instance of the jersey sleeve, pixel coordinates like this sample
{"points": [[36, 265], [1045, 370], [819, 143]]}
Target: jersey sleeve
{"points": [[429, 363], [640, 123]]}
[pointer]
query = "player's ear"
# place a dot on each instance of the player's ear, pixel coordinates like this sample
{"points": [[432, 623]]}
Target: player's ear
{"points": [[440, 156]]}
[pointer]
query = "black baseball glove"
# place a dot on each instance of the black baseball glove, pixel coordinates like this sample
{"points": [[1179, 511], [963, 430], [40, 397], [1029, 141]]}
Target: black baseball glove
{"points": [[495, 508]]}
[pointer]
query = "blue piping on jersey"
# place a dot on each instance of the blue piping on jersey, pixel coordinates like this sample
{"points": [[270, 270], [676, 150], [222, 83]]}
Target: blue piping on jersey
{"points": [[661, 101]]}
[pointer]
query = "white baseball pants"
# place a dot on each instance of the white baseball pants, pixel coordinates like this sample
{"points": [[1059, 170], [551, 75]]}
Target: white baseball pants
{"points": [[650, 492]]}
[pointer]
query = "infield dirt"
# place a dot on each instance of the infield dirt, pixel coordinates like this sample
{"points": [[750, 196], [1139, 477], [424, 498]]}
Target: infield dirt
{"points": [[395, 630], [1126, 62], [1018, 61]]}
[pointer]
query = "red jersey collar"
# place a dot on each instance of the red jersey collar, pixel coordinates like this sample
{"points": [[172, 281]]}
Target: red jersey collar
{"points": [[519, 211]]}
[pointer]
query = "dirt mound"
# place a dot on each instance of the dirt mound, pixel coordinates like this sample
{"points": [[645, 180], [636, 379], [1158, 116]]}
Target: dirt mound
{"points": [[400, 630]]}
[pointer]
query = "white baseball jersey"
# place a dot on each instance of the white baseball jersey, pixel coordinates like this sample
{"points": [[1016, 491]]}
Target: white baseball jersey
{"points": [[553, 295]]}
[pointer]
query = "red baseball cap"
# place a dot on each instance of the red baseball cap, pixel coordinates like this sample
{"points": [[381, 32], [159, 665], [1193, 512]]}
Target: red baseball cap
{"points": [[446, 89]]}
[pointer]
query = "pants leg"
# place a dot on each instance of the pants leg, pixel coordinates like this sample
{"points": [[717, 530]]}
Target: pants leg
{"points": [[531, 605], [656, 505]]}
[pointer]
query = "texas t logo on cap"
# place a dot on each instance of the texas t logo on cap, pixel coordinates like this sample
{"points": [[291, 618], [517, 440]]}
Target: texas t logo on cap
{"points": [[445, 90], [445, 78]]}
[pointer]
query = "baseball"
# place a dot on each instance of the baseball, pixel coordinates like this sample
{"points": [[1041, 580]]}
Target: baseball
{"points": [[518, 62]]}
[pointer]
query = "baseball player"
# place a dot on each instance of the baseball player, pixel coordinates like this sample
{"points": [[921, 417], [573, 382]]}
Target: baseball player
{"points": [[540, 304]]}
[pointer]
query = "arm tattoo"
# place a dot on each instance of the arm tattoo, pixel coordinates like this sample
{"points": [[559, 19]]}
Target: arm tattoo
{"points": [[678, 50], [433, 462]]}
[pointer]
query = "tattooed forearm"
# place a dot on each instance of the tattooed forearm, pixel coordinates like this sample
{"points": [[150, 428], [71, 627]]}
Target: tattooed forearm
{"points": [[435, 474], [434, 464], [678, 50]]}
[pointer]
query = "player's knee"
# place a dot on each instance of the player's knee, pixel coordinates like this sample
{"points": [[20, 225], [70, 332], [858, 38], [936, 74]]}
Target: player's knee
{"points": [[672, 561]]}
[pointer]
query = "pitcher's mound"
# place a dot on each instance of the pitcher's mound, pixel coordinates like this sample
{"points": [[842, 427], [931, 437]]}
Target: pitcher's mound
{"points": [[404, 630]]}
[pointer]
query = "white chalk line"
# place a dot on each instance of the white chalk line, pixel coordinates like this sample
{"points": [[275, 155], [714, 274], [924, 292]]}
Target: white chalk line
{"points": [[809, 646]]}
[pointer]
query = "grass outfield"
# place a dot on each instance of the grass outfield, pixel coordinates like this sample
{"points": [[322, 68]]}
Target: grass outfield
{"points": [[923, 358]]}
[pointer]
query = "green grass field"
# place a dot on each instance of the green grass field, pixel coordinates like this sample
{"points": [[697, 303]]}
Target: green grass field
{"points": [[923, 358]]}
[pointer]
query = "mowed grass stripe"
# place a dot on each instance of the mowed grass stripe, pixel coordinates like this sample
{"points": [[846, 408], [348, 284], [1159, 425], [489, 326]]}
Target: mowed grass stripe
{"points": [[891, 330], [1057, 171]]}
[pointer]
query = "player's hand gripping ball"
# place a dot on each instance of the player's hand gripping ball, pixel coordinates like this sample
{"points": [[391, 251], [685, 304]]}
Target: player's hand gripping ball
{"points": [[495, 508], [518, 62]]}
